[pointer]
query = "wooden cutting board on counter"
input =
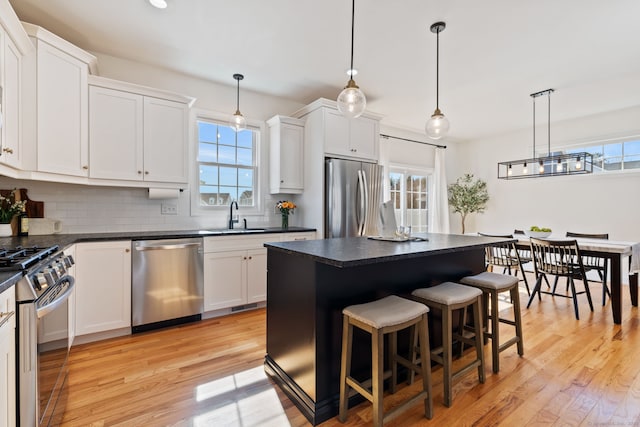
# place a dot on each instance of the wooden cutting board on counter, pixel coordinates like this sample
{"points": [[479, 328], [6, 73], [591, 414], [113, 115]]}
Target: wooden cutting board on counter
{"points": [[34, 208]]}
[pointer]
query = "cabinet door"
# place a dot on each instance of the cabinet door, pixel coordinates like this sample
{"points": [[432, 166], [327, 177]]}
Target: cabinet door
{"points": [[364, 138], [224, 279], [287, 158], [7, 360], [115, 134], [256, 275], [166, 151], [62, 111], [103, 286], [11, 135], [336, 133]]}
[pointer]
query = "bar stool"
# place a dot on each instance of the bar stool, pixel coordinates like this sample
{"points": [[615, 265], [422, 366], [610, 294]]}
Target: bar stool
{"points": [[385, 316], [446, 297], [491, 284]]}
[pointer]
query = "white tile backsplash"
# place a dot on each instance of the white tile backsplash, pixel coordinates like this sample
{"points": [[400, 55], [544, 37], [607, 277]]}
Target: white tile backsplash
{"points": [[89, 209]]}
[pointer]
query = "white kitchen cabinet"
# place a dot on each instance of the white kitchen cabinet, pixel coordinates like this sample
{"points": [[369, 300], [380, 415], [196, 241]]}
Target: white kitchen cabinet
{"points": [[235, 270], [10, 148], [103, 286], [137, 137], [7, 358], [286, 154], [350, 137], [306, 235], [56, 109]]}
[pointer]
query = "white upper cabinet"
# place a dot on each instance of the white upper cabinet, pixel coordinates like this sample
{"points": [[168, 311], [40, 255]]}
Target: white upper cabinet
{"points": [[340, 136], [286, 139], [137, 137], [56, 106], [14, 44]]}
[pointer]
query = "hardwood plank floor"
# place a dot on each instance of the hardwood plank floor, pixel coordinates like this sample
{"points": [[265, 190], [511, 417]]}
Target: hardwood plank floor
{"points": [[209, 373]]}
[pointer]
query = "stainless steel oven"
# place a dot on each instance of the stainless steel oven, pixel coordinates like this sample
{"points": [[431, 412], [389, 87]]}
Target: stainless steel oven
{"points": [[42, 341]]}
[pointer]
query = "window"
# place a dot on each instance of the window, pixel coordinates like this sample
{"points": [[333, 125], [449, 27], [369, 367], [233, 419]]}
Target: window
{"points": [[409, 193], [226, 164], [623, 154]]}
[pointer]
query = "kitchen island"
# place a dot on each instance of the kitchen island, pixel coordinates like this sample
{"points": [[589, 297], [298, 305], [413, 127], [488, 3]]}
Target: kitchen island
{"points": [[310, 282]]}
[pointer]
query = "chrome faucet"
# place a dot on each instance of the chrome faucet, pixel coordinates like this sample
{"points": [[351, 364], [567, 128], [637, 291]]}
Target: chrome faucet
{"points": [[231, 220]]}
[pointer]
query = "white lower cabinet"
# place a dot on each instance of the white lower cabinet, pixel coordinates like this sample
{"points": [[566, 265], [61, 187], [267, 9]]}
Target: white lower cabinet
{"points": [[235, 268], [103, 286], [7, 358]]}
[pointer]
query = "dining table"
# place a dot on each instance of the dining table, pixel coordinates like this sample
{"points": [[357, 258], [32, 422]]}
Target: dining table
{"points": [[614, 251]]}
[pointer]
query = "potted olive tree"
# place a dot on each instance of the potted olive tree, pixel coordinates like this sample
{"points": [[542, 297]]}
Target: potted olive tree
{"points": [[467, 196]]}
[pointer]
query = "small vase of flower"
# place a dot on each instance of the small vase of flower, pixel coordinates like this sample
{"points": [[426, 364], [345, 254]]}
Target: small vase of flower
{"points": [[9, 208], [285, 207]]}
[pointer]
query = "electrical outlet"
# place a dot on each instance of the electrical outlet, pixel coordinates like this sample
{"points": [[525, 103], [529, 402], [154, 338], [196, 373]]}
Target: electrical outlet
{"points": [[169, 209]]}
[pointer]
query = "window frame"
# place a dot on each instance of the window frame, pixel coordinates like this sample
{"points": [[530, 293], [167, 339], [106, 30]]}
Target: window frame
{"points": [[414, 170], [259, 177], [599, 169]]}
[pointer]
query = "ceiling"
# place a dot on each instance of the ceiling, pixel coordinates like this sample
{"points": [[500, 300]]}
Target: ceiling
{"points": [[493, 53]]}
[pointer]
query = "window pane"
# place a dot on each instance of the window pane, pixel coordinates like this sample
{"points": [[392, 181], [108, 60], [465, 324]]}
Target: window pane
{"points": [[632, 162], [228, 194], [226, 135], [207, 132], [207, 152], [228, 176], [245, 178], [245, 156], [246, 196], [613, 150], [613, 163], [227, 154], [631, 147], [245, 139]]}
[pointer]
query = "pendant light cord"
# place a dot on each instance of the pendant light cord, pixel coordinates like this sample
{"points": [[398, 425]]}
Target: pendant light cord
{"points": [[353, 14], [238, 96], [438, 69], [534, 127], [549, 121]]}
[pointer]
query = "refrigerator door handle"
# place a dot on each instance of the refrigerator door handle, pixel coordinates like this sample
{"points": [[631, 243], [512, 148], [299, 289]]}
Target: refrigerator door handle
{"points": [[330, 201], [365, 205], [360, 200]]}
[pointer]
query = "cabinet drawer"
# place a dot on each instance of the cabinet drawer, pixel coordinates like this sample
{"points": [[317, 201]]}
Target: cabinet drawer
{"points": [[225, 243]]}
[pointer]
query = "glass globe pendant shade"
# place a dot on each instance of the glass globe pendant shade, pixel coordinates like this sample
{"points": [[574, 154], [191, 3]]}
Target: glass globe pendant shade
{"points": [[437, 126], [238, 122], [351, 101]]}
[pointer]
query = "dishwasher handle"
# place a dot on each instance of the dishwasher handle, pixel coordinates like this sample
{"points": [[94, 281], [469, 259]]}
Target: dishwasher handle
{"points": [[167, 247]]}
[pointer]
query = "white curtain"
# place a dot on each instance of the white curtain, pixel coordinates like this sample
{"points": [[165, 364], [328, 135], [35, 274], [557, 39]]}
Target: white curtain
{"points": [[438, 203]]}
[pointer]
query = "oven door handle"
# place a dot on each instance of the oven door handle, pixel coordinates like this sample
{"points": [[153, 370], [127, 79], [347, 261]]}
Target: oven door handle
{"points": [[43, 311]]}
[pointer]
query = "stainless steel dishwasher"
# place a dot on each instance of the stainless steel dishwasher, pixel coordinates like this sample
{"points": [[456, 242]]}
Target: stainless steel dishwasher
{"points": [[166, 282]]}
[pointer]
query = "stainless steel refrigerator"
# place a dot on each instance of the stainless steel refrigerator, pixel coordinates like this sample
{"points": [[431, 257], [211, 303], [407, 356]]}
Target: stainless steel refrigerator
{"points": [[353, 195]]}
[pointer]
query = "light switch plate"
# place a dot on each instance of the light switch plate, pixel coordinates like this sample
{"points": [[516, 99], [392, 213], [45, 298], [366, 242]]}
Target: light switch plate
{"points": [[169, 209]]}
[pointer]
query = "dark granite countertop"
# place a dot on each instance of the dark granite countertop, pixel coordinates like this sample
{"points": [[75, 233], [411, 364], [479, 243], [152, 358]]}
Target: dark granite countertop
{"points": [[354, 251], [8, 279]]}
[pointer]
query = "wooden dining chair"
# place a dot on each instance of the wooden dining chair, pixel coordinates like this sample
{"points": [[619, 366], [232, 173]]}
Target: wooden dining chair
{"points": [[505, 255], [560, 258], [598, 264]]}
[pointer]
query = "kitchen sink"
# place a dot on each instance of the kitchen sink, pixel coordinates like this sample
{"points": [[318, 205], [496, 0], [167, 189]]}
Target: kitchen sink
{"points": [[233, 231]]}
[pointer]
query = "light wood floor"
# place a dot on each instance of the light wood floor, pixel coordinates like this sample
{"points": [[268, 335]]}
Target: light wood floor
{"points": [[584, 372]]}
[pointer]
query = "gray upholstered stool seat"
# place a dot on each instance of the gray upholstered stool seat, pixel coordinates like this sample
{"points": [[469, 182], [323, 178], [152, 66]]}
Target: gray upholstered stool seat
{"points": [[447, 297], [491, 285], [385, 316]]}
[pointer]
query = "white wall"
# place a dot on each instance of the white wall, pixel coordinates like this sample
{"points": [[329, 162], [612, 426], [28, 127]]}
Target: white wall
{"points": [[587, 203]]}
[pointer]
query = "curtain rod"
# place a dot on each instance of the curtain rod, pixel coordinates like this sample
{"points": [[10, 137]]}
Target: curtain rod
{"points": [[412, 140]]}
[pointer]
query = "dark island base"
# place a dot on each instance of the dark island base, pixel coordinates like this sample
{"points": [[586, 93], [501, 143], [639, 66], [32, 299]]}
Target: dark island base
{"points": [[304, 317]]}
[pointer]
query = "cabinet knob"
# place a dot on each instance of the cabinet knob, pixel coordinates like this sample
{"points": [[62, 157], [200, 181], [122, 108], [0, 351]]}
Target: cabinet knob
{"points": [[146, 172], [249, 257], [139, 172], [282, 181], [127, 250], [8, 150], [85, 167]]}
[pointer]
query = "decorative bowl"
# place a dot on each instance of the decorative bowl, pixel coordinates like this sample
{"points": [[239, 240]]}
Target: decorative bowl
{"points": [[537, 234]]}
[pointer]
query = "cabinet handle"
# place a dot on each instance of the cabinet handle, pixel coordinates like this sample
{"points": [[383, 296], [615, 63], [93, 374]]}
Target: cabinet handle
{"points": [[139, 172], [85, 167], [282, 181], [8, 150], [4, 317]]}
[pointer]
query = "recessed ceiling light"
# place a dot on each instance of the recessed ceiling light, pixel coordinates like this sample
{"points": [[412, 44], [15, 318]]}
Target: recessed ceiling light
{"points": [[160, 4]]}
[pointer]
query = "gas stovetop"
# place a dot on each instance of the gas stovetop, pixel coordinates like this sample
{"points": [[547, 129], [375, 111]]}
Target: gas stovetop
{"points": [[20, 258]]}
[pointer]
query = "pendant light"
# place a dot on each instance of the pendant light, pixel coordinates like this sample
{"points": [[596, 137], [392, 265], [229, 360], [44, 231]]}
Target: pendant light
{"points": [[438, 125], [238, 122], [351, 101]]}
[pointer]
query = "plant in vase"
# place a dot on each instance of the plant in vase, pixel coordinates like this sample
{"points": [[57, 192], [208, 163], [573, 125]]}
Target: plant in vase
{"points": [[9, 208], [285, 207]]}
